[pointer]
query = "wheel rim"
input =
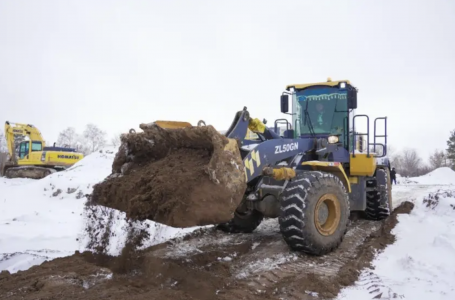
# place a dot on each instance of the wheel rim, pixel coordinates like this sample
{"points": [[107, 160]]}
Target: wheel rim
{"points": [[327, 214]]}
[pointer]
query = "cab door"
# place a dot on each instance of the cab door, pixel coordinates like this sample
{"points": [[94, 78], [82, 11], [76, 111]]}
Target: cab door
{"points": [[24, 149]]}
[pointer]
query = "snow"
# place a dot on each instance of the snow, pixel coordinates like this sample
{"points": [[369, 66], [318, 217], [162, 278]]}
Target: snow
{"points": [[421, 263], [44, 219], [440, 176]]}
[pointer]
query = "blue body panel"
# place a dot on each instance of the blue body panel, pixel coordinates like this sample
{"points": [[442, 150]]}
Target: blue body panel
{"points": [[59, 149], [271, 152]]}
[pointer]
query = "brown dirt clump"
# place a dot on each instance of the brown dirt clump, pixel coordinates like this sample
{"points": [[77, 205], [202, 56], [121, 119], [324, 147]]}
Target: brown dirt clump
{"points": [[178, 177]]}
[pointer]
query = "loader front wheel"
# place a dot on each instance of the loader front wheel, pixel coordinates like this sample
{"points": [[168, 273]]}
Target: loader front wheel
{"points": [[314, 213], [243, 222]]}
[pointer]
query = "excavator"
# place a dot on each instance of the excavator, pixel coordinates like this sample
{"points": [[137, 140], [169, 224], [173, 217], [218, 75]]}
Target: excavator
{"points": [[31, 158]]}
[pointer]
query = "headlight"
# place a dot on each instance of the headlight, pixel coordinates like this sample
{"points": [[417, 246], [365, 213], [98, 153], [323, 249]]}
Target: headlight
{"points": [[333, 139]]}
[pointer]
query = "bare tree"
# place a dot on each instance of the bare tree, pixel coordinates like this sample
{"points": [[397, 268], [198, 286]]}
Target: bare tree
{"points": [[439, 159], [94, 138], [391, 151], [18, 138], [3, 146], [3, 152], [410, 163], [115, 140], [68, 137], [392, 154], [424, 169], [396, 162]]}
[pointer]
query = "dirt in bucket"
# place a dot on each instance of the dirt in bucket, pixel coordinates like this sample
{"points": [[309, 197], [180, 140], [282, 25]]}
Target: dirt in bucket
{"points": [[180, 178]]}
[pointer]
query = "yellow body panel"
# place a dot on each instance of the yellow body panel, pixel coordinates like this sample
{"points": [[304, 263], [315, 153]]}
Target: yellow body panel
{"points": [[256, 125], [361, 165], [172, 124], [305, 85], [50, 158], [280, 174], [330, 167], [354, 180]]}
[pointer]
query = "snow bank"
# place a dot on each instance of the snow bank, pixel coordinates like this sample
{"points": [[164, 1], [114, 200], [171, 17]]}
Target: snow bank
{"points": [[421, 263], [45, 219], [440, 176]]}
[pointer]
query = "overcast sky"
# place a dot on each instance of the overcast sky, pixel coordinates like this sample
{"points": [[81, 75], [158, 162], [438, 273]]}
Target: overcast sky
{"points": [[120, 63]]}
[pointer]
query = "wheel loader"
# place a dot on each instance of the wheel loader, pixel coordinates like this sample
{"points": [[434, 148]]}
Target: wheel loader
{"points": [[32, 159], [310, 176]]}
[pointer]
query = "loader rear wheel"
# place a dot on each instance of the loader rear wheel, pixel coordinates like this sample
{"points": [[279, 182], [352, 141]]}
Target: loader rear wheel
{"points": [[379, 200], [243, 222], [314, 213]]}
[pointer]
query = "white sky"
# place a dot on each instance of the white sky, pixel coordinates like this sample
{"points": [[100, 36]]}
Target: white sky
{"points": [[120, 63]]}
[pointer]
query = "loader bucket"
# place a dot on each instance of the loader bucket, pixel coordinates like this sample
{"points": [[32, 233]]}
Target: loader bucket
{"points": [[175, 174]]}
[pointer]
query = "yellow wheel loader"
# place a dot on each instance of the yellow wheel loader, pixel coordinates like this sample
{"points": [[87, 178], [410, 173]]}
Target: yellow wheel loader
{"points": [[31, 158]]}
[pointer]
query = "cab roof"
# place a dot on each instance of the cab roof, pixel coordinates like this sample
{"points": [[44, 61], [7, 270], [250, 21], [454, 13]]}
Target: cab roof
{"points": [[329, 82]]}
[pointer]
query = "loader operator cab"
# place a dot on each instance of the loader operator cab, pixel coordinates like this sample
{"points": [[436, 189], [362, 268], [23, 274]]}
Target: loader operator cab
{"points": [[320, 110]]}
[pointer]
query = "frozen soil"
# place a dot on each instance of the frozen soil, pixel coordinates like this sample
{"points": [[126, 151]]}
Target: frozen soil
{"points": [[208, 264]]}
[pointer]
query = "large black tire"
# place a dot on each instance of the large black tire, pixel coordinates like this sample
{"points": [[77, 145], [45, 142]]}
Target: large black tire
{"points": [[301, 201], [245, 222], [379, 200]]}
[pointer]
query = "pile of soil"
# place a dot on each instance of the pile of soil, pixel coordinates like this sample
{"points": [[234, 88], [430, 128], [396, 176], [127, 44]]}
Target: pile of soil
{"points": [[178, 177]]}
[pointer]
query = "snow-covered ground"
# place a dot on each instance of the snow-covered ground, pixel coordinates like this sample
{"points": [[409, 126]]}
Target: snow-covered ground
{"points": [[441, 176], [44, 219], [421, 263]]}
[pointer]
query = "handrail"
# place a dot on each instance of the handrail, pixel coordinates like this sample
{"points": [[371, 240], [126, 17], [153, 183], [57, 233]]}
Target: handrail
{"points": [[354, 134], [384, 136]]}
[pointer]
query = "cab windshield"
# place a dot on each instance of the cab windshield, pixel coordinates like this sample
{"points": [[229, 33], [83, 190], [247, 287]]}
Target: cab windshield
{"points": [[323, 110]]}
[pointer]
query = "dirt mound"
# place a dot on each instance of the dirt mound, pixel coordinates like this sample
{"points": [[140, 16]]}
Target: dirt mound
{"points": [[178, 177], [209, 264]]}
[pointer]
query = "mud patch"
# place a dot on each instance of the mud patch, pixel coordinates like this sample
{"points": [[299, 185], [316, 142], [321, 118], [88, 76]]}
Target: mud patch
{"points": [[177, 177], [349, 272], [206, 265]]}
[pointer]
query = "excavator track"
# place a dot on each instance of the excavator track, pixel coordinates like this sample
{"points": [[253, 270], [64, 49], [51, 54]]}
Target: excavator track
{"points": [[32, 172]]}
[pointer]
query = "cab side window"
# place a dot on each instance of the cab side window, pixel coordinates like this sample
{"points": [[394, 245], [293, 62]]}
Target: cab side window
{"points": [[37, 146]]}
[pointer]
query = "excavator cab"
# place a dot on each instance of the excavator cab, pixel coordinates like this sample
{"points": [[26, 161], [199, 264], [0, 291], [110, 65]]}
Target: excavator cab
{"points": [[26, 147]]}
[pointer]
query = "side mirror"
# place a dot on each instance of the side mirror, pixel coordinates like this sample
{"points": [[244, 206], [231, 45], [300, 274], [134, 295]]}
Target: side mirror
{"points": [[284, 103], [352, 98]]}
